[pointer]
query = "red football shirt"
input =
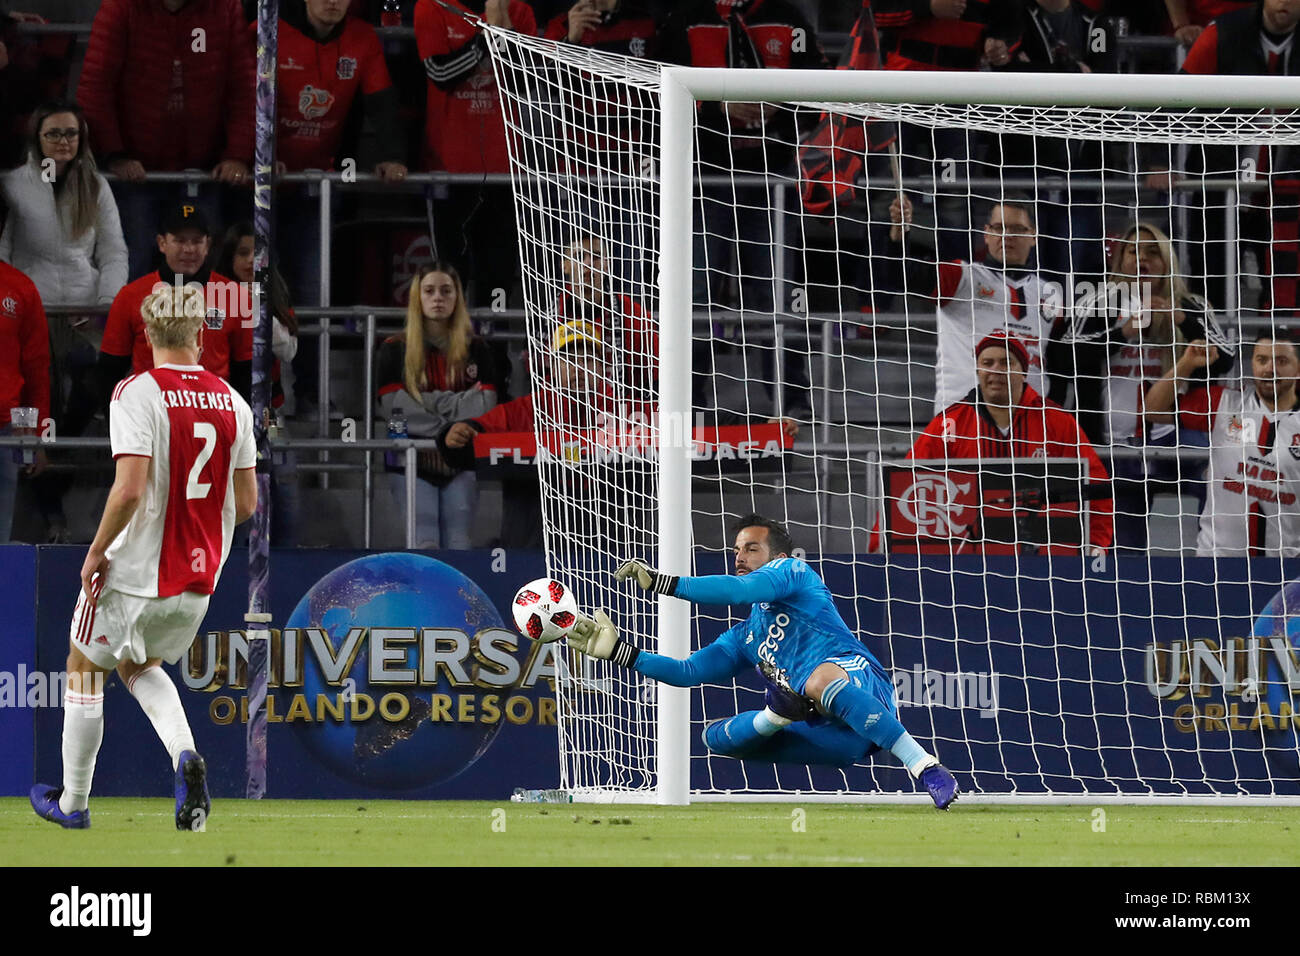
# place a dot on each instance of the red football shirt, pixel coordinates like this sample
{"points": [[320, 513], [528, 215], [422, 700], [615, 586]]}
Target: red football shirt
{"points": [[464, 128], [316, 84], [227, 331]]}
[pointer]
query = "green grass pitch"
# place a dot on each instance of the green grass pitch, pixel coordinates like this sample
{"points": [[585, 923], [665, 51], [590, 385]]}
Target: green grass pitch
{"points": [[432, 833]]}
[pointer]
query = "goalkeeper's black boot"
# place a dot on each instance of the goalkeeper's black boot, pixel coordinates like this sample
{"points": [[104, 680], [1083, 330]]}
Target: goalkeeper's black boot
{"points": [[192, 801]]}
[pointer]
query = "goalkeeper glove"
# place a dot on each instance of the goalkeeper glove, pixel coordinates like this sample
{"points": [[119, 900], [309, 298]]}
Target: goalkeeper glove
{"points": [[647, 577], [599, 639]]}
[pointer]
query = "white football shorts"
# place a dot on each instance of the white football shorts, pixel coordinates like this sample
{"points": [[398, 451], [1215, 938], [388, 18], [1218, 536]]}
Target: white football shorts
{"points": [[121, 626]]}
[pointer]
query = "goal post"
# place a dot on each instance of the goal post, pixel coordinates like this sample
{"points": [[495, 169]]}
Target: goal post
{"points": [[676, 171], [1053, 670]]}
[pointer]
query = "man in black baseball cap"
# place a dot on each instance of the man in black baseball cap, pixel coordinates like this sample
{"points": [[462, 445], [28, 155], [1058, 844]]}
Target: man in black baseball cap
{"points": [[184, 238]]}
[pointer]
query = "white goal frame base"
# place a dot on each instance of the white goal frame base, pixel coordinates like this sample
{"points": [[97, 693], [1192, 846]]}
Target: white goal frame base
{"points": [[650, 798]]}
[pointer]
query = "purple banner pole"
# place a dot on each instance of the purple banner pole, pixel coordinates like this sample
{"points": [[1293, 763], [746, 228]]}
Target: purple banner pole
{"points": [[258, 617]]}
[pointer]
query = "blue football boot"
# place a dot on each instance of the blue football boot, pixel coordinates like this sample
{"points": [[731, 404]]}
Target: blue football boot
{"points": [[192, 803], [941, 784], [784, 702], [45, 801]]}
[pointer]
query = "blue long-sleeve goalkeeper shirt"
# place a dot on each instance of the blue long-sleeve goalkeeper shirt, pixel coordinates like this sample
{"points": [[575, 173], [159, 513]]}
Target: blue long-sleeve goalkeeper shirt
{"points": [[793, 626]]}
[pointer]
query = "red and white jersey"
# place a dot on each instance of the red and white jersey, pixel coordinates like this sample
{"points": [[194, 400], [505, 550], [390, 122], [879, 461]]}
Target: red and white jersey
{"points": [[1131, 371], [197, 430], [975, 300], [1254, 477]]}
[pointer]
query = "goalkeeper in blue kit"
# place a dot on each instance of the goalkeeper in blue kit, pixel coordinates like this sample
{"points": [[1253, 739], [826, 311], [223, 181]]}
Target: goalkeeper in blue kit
{"points": [[828, 700]]}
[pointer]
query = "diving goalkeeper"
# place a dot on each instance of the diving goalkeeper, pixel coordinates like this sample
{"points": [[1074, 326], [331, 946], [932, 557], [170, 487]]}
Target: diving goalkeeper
{"points": [[828, 700]]}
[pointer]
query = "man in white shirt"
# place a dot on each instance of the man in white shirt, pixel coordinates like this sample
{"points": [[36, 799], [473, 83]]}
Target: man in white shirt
{"points": [[1251, 505], [182, 440], [1002, 293]]}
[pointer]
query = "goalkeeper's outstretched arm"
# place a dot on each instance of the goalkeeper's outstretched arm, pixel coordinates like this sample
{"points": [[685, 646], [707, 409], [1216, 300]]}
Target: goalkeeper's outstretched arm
{"points": [[717, 662], [769, 583]]}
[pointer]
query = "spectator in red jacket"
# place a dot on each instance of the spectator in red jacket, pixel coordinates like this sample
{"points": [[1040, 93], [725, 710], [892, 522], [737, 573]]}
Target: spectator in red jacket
{"points": [[465, 133], [573, 395], [24, 375], [184, 240], [1004, 418], [168, 85], [325, 59]]}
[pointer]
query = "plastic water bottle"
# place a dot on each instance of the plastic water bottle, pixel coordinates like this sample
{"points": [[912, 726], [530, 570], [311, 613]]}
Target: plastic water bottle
{"points": [[392, 14], [540, 796], [396, 429]]}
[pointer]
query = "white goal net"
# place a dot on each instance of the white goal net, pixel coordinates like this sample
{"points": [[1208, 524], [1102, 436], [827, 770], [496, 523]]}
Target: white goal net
{"points": [[1067, 542]]}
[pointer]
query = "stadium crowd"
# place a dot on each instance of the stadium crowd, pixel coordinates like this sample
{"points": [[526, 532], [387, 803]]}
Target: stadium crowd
{"points": [[168, 86]]}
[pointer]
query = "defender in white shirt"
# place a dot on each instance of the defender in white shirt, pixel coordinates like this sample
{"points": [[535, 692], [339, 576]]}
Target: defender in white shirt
{"points": [[1251, 507], [183, 442]]}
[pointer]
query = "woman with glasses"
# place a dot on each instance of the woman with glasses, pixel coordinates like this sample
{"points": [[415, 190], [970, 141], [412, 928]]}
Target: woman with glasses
{"points": [[63, 229]]}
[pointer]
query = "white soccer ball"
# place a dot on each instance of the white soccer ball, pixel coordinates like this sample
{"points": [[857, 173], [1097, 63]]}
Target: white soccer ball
{"points": [[545, 610]]}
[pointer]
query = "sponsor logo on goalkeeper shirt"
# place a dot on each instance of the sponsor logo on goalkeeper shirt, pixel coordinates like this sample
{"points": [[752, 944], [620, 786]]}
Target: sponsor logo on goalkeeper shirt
{"points": [[771, 644], [1245, 683]]}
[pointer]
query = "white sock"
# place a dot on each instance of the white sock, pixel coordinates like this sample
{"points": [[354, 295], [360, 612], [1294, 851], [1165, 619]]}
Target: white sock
{"points": [[83, 731], [922, 764], [767, 722], [161, 703]]}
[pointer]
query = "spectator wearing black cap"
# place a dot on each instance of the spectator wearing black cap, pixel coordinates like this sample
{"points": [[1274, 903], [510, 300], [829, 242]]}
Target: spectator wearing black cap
{"points": [[184, 241]]}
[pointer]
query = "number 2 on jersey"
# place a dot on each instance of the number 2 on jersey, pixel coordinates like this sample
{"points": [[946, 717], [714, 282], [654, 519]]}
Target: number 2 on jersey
{"points": [[193, 487]]}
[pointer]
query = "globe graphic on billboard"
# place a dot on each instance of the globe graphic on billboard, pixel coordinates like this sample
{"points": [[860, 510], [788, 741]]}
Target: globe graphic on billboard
{"points": [[386, 738]]}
